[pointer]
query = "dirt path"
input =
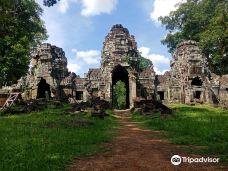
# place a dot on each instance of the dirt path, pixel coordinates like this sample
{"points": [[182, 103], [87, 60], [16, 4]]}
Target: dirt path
{"points": [[137, 149]]}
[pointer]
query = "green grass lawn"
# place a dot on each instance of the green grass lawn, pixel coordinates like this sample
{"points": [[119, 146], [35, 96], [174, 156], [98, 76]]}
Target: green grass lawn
{"points": [[199, 125], [50, 140]]}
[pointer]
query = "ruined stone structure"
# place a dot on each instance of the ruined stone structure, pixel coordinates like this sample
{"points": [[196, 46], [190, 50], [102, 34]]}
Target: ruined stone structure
{"points": [[93, 80], [145, 84], [49, 68], [189, 80], [120, 61], [219, 85]]}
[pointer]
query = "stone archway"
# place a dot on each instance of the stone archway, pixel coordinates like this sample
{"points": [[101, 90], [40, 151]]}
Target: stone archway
{"points": [[43, 87], [196, 83], [119, 73]]}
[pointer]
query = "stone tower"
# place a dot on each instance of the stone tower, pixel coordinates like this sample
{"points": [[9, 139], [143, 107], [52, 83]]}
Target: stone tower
{"points": [[119, 61], [50, 63], [190, 71], [49, 68]]}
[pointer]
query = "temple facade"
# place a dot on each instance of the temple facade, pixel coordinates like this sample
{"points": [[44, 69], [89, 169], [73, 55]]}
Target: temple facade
{"points": [[188, 81], [119, 61]]}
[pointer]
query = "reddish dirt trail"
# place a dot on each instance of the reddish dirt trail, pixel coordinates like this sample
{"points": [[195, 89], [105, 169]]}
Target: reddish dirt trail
{"points": [[136, 149]]}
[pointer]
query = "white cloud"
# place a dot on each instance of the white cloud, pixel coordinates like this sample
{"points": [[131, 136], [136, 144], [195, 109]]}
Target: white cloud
{"points": [[163, 8], [155, 58], [159, 61], [89, 57], [160, 72], [89, 7], [84, 60], [74, 50], [73, 67], [144, 50], [96, 7], [65, 4]]}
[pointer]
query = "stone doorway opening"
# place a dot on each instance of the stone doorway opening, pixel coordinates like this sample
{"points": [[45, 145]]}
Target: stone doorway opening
{"points": [[43, 89], [79, 95], [161, 95], [197, 95], [120, 74], [197, 81]]}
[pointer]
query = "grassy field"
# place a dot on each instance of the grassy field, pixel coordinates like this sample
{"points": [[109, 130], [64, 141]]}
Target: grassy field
{"points": [[50, 140], [199, 125]]}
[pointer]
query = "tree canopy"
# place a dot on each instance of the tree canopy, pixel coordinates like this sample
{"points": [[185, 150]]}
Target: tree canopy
{"points": [[21, 30], [205, 21], [144, 63], [49, 3]]}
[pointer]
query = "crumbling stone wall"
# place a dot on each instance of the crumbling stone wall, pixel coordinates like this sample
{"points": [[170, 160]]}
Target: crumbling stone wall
{"points": [[162, 84], [220, 88], [93, 78], [146, 83], [48, 62]]}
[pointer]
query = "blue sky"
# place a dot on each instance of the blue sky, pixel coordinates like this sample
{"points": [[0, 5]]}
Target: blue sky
{"points": [[80, 26]]}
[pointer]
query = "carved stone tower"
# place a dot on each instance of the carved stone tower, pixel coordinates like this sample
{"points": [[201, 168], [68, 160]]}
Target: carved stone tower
{"points": [[119, 61], [190, 70], [49, 68]]}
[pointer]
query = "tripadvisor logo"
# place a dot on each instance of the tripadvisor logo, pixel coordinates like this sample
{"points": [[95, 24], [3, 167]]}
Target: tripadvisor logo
{"points": [[176, 160]]}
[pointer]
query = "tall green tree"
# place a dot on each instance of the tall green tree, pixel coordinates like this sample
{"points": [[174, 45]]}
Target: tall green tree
{"points": [[119, 95], [21, 30], [205, 21]]}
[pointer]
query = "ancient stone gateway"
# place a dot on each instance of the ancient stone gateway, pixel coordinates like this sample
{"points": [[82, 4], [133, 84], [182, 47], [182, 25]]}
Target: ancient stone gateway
{"points": [[43, 89], [119, 73], [120, 59], [189, 79]]}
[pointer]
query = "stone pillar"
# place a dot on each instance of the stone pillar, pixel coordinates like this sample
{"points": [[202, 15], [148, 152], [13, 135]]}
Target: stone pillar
{"points": [[85, 96], [132, 90], [207, 96], [108, 92], [34, 93], [168, 93], [188, 95]]}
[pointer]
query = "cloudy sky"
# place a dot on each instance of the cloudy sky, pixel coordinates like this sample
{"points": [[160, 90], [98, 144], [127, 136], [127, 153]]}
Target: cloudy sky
{"points": [[80, 26]]}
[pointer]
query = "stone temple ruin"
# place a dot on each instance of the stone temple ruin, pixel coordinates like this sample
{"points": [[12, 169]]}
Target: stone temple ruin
{"points": [[49, 68], [189, 80]]}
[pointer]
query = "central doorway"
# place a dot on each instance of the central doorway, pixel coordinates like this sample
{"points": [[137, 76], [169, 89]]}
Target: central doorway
{"points": [[120, 88], [43, 89]]}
